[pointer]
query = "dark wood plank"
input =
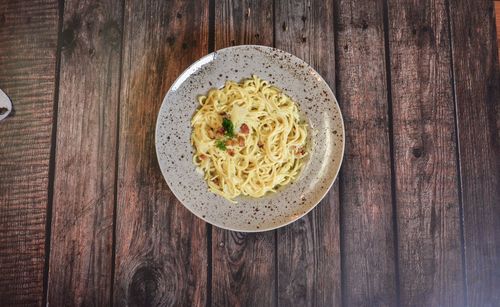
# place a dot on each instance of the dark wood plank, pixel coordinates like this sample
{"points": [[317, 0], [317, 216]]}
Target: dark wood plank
{"points": [[427, 196], [161, 248], [243, 22], [477, 93], [243, 265], [28, 36], [497, 10], [368, 264], [309, 249], [82, 214]]}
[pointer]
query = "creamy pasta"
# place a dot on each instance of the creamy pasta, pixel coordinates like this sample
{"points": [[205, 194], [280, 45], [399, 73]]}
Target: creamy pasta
{"points": [[248, 139]]}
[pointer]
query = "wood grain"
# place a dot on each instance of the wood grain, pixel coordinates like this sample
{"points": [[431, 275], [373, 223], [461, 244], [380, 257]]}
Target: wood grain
{"points": [[243, 22], [477, 94], [425, 155], [497, 10], [82, 223], [243, 265], [368, 264], [28, 36], [161, 248], [309, 270]]}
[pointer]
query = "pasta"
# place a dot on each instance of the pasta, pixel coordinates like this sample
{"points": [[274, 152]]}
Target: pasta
{"points": [[248, 139]]}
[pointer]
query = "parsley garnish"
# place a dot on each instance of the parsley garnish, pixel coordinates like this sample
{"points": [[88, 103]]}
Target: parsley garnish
{"points": [[220, 144], [228, 127]]}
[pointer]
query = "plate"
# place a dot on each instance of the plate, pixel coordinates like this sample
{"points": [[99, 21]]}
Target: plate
{"points": [[5, 105], [317, 104]]}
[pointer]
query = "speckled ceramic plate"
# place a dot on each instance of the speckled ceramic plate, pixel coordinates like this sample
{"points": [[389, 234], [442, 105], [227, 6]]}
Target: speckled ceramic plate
{"points": [[317, 104]]}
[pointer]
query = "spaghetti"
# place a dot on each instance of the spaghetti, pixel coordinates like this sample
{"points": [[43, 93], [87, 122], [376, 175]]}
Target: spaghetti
{"points": [[248, 139]]}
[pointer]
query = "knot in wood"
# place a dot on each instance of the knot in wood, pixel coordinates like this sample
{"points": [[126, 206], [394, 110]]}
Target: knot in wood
{"points": [[147, 287], [417, 152]]}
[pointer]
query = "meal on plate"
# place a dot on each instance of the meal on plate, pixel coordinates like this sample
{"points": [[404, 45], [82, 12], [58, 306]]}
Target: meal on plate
{"points": [[248, 138]]}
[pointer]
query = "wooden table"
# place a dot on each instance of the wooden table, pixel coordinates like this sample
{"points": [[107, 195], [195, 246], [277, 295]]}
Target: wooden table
{"points": [[87, 219]]}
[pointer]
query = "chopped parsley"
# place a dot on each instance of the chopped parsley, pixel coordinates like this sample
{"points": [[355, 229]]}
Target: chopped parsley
{"points": [[221, 144], [228, 130], [228, 127]]}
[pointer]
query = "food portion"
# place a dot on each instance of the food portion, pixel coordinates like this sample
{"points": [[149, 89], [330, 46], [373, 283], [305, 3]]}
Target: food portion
{"points": [[248, 139]]}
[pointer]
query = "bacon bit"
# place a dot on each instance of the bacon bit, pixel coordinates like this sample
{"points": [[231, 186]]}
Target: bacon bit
{"points": [[230, 152], [301, 151], [244, 129], [202, 157], [241, 141], [221, 130], [231, 142]]}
